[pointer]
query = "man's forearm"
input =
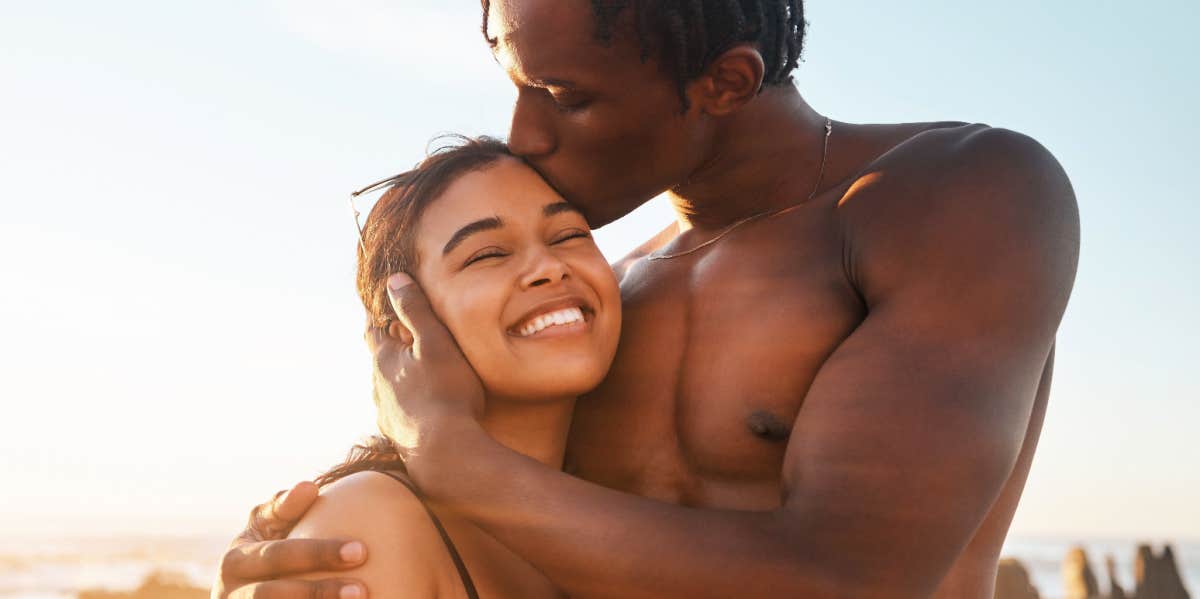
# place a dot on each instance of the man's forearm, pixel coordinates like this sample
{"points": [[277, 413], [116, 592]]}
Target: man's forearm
{"points": [[599, 542]]}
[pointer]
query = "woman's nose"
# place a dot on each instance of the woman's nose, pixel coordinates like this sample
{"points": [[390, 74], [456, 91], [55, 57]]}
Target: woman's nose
{"points": [[545, 269], [530, 134]]}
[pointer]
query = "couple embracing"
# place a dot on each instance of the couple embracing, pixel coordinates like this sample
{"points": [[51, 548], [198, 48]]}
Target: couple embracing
{"points": [[826, 379]]}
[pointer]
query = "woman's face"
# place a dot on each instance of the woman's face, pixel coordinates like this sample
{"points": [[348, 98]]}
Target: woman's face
{"points": [[513, 272]]}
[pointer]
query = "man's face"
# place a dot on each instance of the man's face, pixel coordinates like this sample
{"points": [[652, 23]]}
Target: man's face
{"points": [[603, 127]]}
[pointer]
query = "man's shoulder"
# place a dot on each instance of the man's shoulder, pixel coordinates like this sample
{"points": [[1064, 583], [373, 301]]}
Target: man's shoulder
{"points": [[972, 154], [956, 162], [950, 191]]}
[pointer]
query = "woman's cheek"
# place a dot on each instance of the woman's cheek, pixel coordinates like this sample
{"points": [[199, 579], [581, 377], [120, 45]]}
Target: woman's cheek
{"points": [[474, 320]]}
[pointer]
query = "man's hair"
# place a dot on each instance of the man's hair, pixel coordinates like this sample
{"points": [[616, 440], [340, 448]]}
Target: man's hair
{"points": [[388, 239], [687, 35]]}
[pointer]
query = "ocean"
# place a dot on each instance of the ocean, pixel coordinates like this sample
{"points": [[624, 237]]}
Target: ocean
{"points": [[60, 568]]}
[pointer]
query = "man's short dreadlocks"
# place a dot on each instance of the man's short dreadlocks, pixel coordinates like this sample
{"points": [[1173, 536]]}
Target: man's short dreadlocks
{"points": [[688, 34]]}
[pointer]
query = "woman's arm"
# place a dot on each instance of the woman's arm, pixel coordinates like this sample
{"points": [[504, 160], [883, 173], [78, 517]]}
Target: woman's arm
{"points": [[407, 559]]}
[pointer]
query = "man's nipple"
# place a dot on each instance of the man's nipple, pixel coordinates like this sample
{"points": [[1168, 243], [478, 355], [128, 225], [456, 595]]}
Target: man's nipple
{"points": [[767, 426]]}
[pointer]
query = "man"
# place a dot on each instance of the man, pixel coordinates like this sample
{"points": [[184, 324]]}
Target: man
{"points": [[834, 366]]}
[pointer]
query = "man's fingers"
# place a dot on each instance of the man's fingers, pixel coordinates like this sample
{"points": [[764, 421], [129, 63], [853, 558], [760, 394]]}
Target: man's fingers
{"points": [[290, 506], [274, 519], [301, 589], [275, 559], [414, 311]]}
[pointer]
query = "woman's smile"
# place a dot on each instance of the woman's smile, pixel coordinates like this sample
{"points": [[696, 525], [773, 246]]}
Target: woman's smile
{"points": [[501, 251], [554, 318]]}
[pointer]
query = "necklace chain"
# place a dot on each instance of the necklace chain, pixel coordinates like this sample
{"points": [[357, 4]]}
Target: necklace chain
{"points": [[766, 214]]}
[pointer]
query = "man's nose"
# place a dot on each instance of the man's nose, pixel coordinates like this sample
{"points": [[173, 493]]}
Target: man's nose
{"points": [[530, 134], [545, 269]]}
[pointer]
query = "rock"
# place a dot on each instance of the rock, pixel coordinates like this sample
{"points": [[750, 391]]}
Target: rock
{"points": [[1012, 581], [158, 585], [1078, 578], [1157, 576], [1115, 590]]}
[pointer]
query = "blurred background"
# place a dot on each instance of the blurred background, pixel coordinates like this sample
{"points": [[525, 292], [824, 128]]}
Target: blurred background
{"points": [[179, 332]]}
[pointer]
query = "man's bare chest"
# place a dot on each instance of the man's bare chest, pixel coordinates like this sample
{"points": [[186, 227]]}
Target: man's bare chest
{"points": [[717, 353]]}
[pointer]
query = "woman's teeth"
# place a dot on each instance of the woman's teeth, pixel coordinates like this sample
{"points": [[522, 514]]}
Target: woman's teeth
{"points": [[556, 318]]}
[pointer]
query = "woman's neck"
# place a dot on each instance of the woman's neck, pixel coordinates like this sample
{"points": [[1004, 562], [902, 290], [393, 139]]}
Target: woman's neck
{"points": [[537, 429]]}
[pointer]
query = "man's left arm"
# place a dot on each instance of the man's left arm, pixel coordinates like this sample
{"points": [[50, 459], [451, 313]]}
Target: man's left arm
{"points": [[904, 441]]}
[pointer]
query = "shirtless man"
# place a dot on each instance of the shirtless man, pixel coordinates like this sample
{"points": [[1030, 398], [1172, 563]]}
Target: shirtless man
{"points": [[834, 366]]}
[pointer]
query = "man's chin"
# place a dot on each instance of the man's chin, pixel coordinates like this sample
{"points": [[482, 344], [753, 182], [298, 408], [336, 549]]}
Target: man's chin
{"points": [[595, 222], [602, 212], [598, 210]]}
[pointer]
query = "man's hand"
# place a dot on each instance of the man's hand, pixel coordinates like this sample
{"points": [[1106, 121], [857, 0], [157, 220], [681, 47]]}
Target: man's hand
{"points": [[424, 387], [260, 556]]}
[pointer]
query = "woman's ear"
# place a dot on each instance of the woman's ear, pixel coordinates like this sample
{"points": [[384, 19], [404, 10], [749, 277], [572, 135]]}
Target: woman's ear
{"points": [[729, 82]]}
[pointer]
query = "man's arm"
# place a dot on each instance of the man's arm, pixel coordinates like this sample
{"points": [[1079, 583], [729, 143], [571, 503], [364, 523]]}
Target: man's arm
{"points": [[260, 558], [905, 439]]}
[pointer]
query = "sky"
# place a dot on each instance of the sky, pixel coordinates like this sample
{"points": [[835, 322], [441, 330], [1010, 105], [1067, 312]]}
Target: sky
{"points": [[179, 332]]}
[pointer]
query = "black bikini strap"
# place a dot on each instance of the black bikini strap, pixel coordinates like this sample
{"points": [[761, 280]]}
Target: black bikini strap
{"points": [[468, 584]]}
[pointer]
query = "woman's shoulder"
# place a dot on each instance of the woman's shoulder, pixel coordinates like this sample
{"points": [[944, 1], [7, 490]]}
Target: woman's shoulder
{"points": [[371, 495], [405, 553]]}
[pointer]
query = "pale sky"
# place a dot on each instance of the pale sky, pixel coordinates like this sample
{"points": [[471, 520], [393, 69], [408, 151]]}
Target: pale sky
{"points": [[179, 333]]}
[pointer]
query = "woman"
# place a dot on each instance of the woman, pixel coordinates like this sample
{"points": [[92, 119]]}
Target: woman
{"points": [[512, 271]]}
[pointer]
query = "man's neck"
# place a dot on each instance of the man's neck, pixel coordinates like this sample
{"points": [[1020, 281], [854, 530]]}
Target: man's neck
{"points": [[537, 429], [766, 156]]}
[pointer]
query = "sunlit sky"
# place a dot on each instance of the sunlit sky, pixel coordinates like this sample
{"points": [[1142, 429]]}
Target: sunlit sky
{"points": [[179, 335]]}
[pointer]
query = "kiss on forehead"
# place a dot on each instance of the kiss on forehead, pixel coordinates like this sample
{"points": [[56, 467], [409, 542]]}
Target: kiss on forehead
{"points": [[826, 378]]}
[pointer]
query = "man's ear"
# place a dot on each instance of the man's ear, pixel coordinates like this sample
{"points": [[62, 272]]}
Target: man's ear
{"points": [[729, 82]]}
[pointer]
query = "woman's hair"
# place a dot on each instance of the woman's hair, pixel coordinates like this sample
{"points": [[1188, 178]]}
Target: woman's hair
{"points": [[375, 453], [388, 237], [389, 246]]}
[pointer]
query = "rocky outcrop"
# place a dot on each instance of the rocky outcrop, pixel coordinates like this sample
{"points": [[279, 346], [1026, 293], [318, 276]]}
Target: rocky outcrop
{"points": [[1156, 576], [1012, 581], [1115, 590], [158, 585], [1078, 578]]}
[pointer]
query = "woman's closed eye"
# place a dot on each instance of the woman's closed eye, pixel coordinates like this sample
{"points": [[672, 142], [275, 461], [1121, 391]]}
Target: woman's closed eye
{"points": [[484, 255], [494, 253]]}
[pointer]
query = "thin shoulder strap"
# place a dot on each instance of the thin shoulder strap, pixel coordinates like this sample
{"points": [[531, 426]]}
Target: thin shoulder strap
{"points": [[459, 565]]}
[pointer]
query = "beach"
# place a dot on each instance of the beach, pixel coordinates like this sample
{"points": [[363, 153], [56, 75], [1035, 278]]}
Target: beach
{"points": [[62, 568]]}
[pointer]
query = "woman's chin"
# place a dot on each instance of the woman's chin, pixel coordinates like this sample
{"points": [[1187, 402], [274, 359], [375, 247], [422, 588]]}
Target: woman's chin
{"points": [[545, 385]]}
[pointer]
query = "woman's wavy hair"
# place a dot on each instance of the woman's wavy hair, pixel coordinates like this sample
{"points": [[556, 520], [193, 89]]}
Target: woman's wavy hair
{"points": [[375, 453], [389, 246], [388, 240]]}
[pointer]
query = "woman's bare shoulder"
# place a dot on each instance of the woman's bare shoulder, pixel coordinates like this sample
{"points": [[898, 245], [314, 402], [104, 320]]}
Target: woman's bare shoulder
{"points": [[405, 554]]}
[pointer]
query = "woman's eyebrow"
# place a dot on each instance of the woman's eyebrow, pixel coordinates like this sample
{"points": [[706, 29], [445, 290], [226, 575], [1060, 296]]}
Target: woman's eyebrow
{"points": [[479, 226]]}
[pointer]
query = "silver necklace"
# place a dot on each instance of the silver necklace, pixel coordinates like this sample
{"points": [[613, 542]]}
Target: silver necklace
{"points": [[768, 213]]}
